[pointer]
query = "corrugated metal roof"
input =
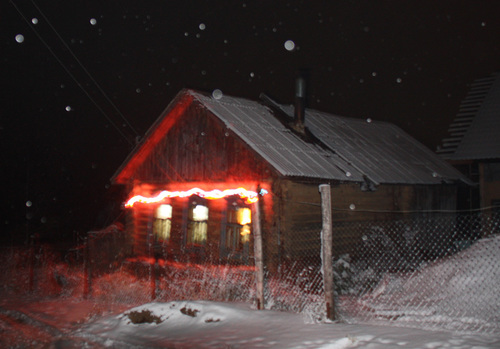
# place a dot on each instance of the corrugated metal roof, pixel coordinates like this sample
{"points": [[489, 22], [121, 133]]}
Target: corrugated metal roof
{"points": [[353, 149], [474, 134], [255, 124]]}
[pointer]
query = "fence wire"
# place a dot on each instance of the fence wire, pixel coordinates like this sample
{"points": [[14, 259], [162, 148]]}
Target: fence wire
{"points": [[439, 271]]}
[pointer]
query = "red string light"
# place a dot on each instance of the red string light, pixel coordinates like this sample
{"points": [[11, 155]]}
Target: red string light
{"points": [[249, 196]]}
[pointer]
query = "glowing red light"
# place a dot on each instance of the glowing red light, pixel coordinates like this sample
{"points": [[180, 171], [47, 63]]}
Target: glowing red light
{"points": [[249, 196]]}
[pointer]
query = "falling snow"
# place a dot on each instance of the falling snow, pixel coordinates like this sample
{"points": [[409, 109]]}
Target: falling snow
{"points": [[19, 38], [217, 94], [289, 45]]}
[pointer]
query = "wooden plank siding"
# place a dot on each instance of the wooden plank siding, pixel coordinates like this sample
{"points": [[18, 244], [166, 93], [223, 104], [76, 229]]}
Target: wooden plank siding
{"points": [[301, 219], [199, 148], [300, 212]]}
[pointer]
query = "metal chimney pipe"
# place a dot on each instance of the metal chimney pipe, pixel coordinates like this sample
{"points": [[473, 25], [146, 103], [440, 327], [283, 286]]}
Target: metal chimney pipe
{"points": [[300, 102]]}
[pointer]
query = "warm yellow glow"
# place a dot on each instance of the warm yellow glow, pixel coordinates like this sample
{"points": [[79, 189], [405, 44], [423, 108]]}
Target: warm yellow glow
{"points": [[162, 228], [164, 212], [249, 196], [200, 213], [245, 234], [244, 216]]}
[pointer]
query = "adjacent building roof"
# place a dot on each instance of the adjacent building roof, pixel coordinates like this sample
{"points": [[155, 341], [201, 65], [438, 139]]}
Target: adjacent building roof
{"points": [[475, 132], [345, 149]]}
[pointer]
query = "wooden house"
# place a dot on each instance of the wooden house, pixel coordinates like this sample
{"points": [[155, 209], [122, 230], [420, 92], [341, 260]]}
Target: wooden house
{"points": [[473, 145], [279, 154]]}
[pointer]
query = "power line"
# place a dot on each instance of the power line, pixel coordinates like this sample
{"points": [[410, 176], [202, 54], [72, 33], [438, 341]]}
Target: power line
{"points": [[487, 208], [84, 69], [71, 75]]}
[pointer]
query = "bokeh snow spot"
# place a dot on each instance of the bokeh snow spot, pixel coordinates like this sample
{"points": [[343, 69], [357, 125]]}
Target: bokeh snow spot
{"points": [[289, 45], [217, 94]]}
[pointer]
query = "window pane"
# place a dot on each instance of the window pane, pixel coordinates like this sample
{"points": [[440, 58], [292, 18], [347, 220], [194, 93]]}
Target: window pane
{"points": [[244, 216], [245, 234], [164, 212], [197, 225], [232, 216], [161, 228], [199, 213], [197, 233], [238, 228], [241, 215]]}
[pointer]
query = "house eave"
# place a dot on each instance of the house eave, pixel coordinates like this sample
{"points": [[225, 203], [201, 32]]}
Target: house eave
{"points": [[152, 137]]}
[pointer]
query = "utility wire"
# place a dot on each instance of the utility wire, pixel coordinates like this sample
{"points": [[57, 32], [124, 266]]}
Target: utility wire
{"points": [[84, 69], [71, 75], [487, 208]]}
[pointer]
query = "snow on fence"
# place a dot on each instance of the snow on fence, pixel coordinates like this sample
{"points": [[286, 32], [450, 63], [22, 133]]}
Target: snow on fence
{"points": [[438, 271]]}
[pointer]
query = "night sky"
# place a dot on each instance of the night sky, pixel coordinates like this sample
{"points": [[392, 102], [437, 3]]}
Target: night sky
{"points": [[86, 78]]}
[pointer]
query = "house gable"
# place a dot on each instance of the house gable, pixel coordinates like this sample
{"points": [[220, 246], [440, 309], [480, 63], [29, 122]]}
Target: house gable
{"points": [[191, 144], [152, 137]]}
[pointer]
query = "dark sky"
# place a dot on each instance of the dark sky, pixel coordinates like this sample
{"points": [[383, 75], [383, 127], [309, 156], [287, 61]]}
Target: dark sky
{"points": [[115, 65]]}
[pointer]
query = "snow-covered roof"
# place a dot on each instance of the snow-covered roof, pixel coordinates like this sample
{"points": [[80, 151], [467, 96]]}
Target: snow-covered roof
{"points": [[351, 149], [344, 149], [474, 134], [257, 126]]}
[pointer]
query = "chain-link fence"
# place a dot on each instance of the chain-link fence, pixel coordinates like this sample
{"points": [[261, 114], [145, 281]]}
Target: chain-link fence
{"points": [[438, 271]]}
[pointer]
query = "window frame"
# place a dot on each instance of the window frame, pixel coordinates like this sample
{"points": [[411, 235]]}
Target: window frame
{"points": [[159, 237], [192, 202], [234, 251]]}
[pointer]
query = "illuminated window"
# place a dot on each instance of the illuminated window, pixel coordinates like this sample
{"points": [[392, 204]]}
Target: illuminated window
{"points": [[163, 222], [197, 224], [238, 229]]}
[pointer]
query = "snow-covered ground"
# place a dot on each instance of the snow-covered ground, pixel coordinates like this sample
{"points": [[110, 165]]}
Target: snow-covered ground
{"points": [[203, 324], [458, 293], [71, 323]]}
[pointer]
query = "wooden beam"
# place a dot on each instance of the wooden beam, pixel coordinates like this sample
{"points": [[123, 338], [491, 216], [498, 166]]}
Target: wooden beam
{"points": [[326, 247], [258, 255]]}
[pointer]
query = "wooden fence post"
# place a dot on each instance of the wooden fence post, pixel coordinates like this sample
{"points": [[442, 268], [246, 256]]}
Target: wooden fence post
{"points": [[258, 255], [326, 247]]}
